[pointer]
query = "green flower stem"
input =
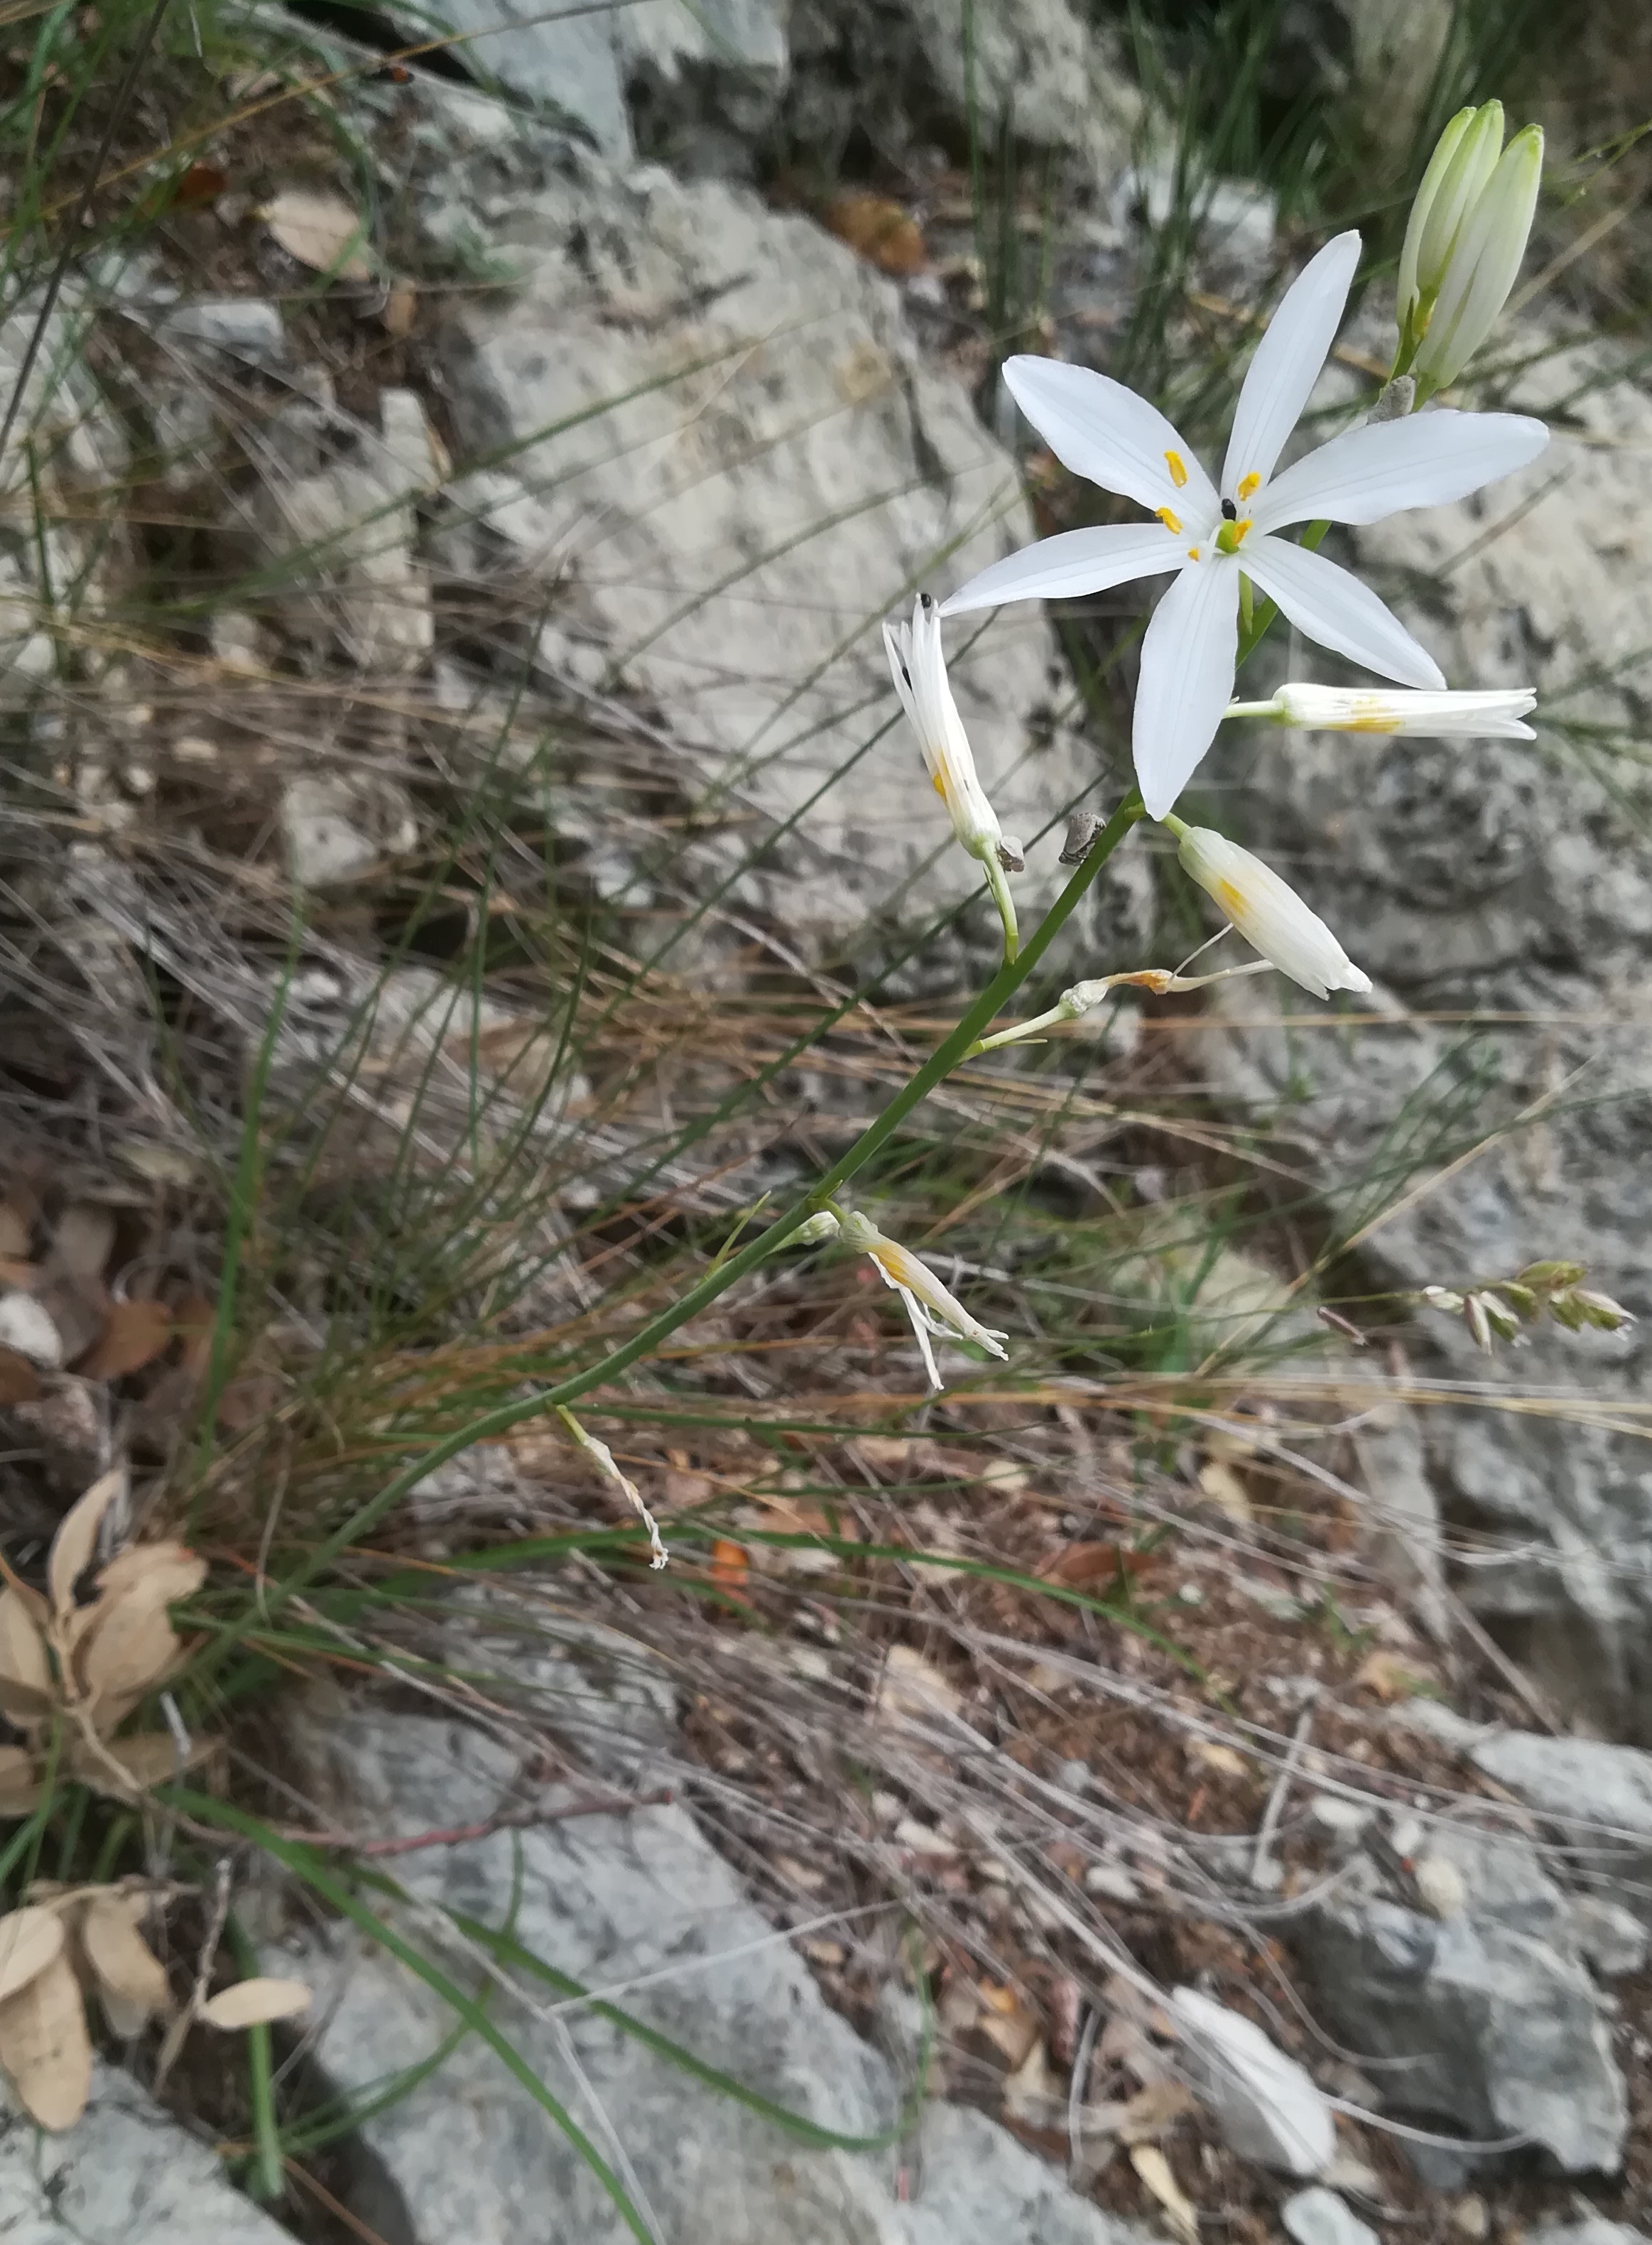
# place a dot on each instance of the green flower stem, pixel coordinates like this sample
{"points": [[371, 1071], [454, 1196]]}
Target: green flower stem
{"points": [[1006, 902], [940, 1064]]}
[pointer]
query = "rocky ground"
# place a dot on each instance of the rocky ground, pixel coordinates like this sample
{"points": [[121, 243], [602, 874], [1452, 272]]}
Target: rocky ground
{"points": [[555, 448]]}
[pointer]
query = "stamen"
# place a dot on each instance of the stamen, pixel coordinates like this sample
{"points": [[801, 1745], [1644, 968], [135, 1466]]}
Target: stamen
{"points": [[1172, 522], [1193, 553], [1231, 536], [1230, 511], [1249, 483], [1178, 468]]}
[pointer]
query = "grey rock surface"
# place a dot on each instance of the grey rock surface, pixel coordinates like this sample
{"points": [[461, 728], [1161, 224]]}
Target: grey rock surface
{"points": [[1497, 880], [1595, 2231], [1492, 2009], [581, 66], [1319, 2217], [718, 461], [643, 1906], [126, 2174]]}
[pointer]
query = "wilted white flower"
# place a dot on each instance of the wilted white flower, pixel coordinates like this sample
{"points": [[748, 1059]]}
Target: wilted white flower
{"points": [[1211, 538], [822, 1225], [928, 1303], [918, 666], [1267, 911], [1491, 715], [608, 1467], [1468, 233]]}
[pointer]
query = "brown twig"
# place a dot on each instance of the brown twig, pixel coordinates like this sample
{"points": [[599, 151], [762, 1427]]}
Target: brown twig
{"points": [[504, 1819]]}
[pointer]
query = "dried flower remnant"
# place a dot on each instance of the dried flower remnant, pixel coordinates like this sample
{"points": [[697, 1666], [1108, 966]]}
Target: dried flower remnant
{"points": [[1497, 1311], [603, 1458], [929, 1306]]}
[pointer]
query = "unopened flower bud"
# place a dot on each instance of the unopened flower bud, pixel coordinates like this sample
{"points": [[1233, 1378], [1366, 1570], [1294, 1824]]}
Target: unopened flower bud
{"points": [[823, 1225], [1268, 911], [1468, 235], [1546, 1276]]}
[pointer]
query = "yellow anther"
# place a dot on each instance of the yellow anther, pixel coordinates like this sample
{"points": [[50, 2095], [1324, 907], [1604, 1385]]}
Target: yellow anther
{"points": [[1372, 715], [1231, 536], [1249, 483], [1193, 553], [1172, 522], [1178, 468]]}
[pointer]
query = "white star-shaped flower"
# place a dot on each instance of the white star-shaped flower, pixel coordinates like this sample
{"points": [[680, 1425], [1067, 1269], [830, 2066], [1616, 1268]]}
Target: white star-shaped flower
{"points": [[1210, 537]]}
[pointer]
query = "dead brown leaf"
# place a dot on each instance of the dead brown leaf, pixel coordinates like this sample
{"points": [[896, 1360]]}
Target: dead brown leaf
{"points": [[1218, 1480], [77, 1539], [30, 1939], [1390, 1677], [401, 309], [1096, 1566], [913, 1686], [19, 1382], [44, 2047], [254, 2003], [83, 1242], [25, 1673], [320, 231], [19, 1788], [1154, 2170], [131, 1980], [134, 1334]]}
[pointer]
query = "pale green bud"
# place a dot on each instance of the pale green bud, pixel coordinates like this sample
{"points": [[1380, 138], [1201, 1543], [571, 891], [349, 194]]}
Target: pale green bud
{"points": [[1484, 264], [1462, 163]]}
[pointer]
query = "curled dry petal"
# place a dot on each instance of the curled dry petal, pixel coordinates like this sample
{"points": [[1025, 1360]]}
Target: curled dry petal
{"points": [[76, 1540], [254, 2003], [30, 1939], [44, 2047]]}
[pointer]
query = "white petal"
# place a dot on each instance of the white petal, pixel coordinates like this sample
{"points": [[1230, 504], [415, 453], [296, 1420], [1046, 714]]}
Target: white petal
{"points": [[1424, 461], [1288, 361], [1187, 657], [1494, 714], [1337, 611], [1107, 434], [1072, 563]]}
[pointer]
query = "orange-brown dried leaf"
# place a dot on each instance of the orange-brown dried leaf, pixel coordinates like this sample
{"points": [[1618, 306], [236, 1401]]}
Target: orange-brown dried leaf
{"points": [[134, 1334], [1096, 1566], [729, 1570], [19, 1382], [44, 2047], [880, 231]]}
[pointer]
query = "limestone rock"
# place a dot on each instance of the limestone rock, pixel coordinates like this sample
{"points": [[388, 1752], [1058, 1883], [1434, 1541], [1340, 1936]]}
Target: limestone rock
{"points": [[581, 66], [643, 1905], [1491, 2010], [719, 462], [1319, 2217], [125, 2174]]}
